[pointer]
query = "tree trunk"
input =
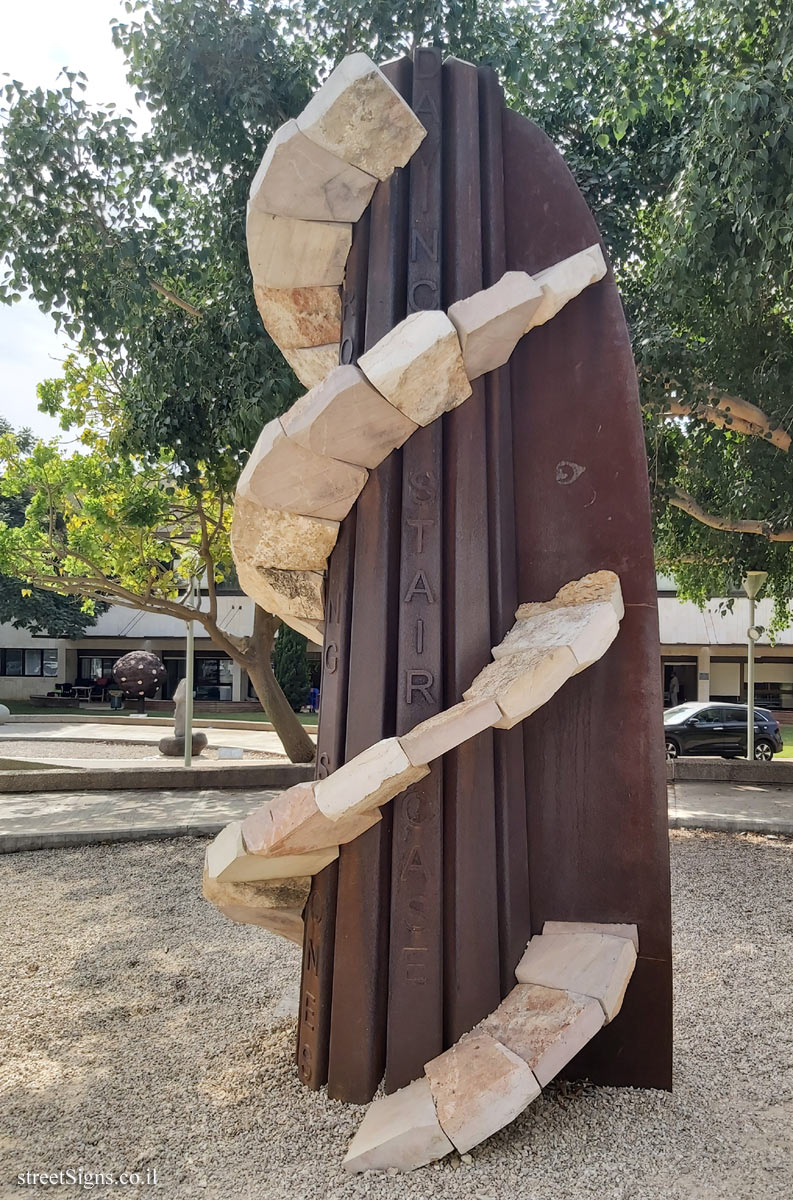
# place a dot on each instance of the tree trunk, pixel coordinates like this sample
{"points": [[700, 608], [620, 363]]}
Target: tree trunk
{"points": [[297, 744]]}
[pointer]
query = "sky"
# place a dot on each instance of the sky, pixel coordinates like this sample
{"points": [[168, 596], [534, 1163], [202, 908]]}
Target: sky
{"points": [[38, 39]]}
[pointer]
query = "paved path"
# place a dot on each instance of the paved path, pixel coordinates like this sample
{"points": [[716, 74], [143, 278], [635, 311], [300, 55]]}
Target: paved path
{"points": [[731, 807], [34, 821], [115, 731]]}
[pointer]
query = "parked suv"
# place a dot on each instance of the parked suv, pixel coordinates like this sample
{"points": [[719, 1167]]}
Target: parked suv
{"points": [[696, 728]]}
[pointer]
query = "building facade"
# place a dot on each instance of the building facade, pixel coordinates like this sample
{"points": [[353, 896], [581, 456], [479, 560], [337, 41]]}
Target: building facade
{"points": [[705, 648]]}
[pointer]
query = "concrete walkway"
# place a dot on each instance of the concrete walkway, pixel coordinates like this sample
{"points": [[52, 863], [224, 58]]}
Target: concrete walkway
{"points": [[731, 807], [36, 820], [115, 731]]}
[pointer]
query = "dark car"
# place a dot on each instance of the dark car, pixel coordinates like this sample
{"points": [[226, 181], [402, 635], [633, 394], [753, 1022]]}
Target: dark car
{"points": [[713, 728]]}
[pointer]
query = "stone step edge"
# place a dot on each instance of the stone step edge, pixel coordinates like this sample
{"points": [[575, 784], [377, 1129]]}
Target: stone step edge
{"points": [[398, 1161]]}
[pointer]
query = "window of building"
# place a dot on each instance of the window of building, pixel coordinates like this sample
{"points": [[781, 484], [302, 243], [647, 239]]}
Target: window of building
{"points": [[96, 666], [29, 662]]}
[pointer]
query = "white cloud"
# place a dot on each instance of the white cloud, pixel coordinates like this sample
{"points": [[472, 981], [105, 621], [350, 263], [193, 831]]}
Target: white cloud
{"points": [[39, 38]]}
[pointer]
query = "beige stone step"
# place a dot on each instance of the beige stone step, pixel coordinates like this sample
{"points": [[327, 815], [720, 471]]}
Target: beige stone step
{"points": [[490, 323], [344, 417], [399, 1132], [593, 964], [282, 474], [479, 1086], [300, 317], [270, 537], [299, 178], [286, 253], [229, 860], [544, 1026], [276, 905], [367, 781], [361, 118], [292, 823], [419, 367], [565, 280], [311, 363]]}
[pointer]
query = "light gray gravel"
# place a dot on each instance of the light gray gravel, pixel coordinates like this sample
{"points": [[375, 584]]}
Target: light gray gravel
{"points": [[142, 1029]]}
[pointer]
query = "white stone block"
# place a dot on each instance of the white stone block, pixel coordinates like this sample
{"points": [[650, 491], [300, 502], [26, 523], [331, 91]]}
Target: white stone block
{"points": [[345, 418], [311, 363], [287, 253], [600, 587], [399, 1132], [299, 178], [593, 964], [228, 859], [419, 367], [522, 682], [360, 117], [544, 1026], [370, 779], [282, 474], [479, 1086], [587, 630], [565, 280], [298, 318], [437, 735], [630, 932], [269, 537], [490, 323]]}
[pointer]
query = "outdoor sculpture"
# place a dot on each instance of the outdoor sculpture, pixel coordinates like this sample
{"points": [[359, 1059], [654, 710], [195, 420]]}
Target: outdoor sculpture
{"points": [[173, 747], [449, 470], [139, 674]]}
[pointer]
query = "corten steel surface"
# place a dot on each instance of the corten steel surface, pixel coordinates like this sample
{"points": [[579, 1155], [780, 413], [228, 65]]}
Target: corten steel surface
{"points": [[536, 479], [598, 841], [415, 976]]}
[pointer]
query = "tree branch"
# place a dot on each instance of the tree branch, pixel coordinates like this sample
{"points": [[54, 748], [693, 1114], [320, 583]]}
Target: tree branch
{"points": [[174, 299], [734, 413], [685, 502]]}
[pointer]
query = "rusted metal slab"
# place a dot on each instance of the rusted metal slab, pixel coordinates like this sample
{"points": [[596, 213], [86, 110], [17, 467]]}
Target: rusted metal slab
{"points": [[471, 952], [313, 1033], [598, 846], [360, 984], [415, 987], [512, 870]]}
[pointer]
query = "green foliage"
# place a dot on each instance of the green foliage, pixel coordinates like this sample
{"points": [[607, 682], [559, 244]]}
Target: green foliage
{"points": [[32, 608], [674, 118], [290, 666]]}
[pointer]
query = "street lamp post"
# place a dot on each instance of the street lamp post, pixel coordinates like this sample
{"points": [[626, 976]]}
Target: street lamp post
{"points": [[751, 585], [189, 685]]}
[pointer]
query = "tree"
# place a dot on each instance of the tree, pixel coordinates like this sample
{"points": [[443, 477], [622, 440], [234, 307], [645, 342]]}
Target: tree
{"points": [[673, 117], [31, 608], [290, 666], [140, 534]]}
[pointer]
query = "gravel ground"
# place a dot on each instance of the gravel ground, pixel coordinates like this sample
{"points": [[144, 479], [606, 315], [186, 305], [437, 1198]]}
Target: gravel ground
{"points": [[41, 748], [142, 1029]]}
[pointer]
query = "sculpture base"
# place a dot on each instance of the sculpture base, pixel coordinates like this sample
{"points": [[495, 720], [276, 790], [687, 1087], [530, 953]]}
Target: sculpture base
{"points": [[173, 747]]}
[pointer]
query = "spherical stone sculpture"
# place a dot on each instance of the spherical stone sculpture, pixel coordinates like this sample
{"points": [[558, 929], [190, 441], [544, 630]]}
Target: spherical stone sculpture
{"points": [[139, 674], [5, 713]]}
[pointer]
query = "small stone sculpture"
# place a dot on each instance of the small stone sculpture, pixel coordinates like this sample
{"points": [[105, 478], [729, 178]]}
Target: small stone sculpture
{"points": [[173, 747]]}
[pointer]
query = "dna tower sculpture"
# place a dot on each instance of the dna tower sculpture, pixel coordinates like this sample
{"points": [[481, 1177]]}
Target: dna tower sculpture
{"points": [[457, 510]]}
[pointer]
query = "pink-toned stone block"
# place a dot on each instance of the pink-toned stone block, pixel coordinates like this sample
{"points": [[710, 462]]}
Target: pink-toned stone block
{"points": [[368, 780], [300, 317], [293, 824], [311, 363], [276, 905], [479, 1086], [544, 1026]]}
